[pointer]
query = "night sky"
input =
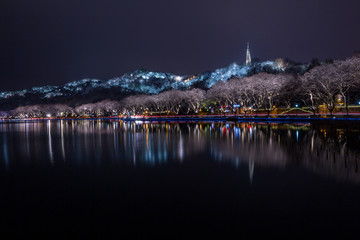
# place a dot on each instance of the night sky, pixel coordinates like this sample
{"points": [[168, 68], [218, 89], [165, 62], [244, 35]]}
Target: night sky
{"points": [[51, 42]]}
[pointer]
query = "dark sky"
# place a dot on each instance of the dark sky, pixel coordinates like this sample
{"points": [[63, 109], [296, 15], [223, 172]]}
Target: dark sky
{"points": [[51, 42]]}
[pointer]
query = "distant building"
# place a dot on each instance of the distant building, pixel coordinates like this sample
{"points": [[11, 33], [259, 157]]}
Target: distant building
{"points": [[280, 63], [248, 56]]}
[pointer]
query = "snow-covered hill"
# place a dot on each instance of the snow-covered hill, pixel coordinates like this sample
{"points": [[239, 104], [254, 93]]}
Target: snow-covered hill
{"points": [[136, 82]]}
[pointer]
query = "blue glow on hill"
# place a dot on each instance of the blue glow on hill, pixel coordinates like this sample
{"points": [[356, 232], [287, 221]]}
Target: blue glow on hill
{"points": [[143, 82]]}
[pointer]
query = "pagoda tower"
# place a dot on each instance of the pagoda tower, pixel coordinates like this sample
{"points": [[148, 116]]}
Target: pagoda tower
{"points": [[248, 56]]}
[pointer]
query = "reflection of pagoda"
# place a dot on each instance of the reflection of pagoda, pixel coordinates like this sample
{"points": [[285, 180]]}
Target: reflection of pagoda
{"points": [[248, 56]]}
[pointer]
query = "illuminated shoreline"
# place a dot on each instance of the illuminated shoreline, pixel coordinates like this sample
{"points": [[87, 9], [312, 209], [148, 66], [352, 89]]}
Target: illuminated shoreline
{"points": [[234, 118]]}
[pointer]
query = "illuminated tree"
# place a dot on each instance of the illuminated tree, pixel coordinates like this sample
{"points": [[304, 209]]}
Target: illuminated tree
{"points": [[348, 79], [222, 94], [327, 81], [266, 89]]}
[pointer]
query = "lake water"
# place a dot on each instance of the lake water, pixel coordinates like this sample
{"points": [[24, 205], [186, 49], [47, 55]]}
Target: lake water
{"points": [[181, 179]]}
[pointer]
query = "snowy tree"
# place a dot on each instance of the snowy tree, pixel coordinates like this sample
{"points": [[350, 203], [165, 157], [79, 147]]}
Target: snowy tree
{"points": [[177, 100], [348, 79], [133, 104], [193, 98], [222, 94], [329, 80], [321, 81], [41, 110], [290, 91], [309, 94], [265, 90], [167, 101], [240, 91]]}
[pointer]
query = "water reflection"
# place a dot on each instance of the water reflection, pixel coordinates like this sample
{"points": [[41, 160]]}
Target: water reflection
{"points": [[324, 149], [51, 154]]}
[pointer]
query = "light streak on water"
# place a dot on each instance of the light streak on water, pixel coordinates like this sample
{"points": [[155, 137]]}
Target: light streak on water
{"points": [[62, 139], [297, 135], [51, 153], [6, 155]]}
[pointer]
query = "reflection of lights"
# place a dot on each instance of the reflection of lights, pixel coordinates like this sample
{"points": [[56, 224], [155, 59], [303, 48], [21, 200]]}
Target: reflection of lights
{"points": [[237, 132], [181, 148], [49, 142], [251, 170], [237, 161], [297, 135], [147, 143], [62, 138], [5, 151]]}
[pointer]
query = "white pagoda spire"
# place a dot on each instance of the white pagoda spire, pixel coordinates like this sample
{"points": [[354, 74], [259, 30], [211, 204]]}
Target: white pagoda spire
{"points": [[248, 57]]}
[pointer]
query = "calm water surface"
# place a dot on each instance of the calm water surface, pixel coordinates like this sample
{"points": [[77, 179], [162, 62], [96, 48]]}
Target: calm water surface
{"points": [[181, 179]]}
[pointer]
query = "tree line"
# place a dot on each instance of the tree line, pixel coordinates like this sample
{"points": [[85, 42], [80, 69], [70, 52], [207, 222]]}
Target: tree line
{"points": [[323, 85]]}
